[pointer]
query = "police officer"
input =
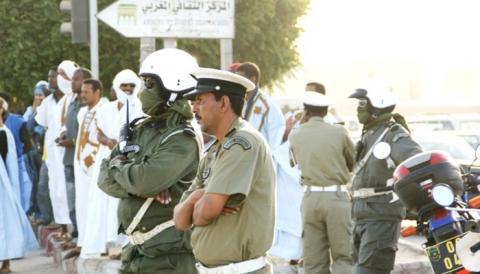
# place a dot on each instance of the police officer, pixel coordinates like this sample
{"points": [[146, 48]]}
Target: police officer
{"points": [[235, 177], [324, 153], [160, 154], [376, 210]]}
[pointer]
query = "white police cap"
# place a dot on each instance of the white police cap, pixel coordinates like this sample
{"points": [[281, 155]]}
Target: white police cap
{"points": [[315, 99], [209, 80]]}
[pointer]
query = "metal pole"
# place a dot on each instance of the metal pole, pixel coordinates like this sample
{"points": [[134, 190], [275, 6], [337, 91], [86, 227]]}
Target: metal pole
{"points": [[226, 53], [147, 46], [169, 43], [94, 66]]}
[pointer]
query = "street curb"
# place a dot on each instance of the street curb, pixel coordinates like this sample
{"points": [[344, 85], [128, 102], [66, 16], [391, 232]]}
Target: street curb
{"points": [[104, 265]]}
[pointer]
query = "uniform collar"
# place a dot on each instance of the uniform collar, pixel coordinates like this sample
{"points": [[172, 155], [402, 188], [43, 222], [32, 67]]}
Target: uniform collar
{"points": [[317, 118], [235, 125]]}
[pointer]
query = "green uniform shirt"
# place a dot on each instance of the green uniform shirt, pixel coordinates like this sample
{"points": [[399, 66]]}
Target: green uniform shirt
{"points": [[159, 165], [376, 172], [243, 168], [323, 152]]}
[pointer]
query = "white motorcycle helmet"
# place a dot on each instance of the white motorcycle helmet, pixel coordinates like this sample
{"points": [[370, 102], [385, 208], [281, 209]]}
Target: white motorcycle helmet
{"points": [[379, 99], [170, 68]]}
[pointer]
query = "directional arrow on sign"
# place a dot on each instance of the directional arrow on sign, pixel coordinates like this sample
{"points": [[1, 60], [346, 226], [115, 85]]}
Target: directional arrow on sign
{"points": [[171, 19]]}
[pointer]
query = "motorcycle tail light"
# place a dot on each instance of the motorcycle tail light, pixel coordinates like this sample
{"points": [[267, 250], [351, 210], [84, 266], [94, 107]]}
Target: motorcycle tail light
{"points": [[439, 214], [438, 158], [399, 173]]}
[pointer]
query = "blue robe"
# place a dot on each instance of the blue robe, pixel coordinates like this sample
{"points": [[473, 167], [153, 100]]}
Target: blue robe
{"points": [[14, 123], [16, 234]]}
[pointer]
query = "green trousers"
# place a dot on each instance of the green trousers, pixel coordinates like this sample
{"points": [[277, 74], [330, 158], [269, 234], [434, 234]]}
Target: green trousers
{"points": [[374, 246], [135, 263], [327, 228]]}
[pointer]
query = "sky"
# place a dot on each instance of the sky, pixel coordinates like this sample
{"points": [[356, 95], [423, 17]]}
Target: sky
{"points": [[428, 51]]}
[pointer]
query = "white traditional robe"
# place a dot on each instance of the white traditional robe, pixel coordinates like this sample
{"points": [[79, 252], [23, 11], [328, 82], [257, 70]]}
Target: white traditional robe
{"points": [[16, 234], [49, 114], [267, 118], [102, 209], [288, 220], [86, 149]]}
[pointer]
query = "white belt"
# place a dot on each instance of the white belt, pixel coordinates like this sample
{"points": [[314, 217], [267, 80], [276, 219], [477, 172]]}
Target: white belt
{"points": [[234, 268], [332, 188], [138, 238], [369, 192]]}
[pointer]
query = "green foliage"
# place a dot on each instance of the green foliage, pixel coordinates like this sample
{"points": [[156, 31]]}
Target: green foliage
{"points": [[32, 43]]}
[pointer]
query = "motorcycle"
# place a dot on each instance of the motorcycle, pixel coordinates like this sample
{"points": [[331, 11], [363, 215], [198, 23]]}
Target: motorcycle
{"points": [[446, 201]]}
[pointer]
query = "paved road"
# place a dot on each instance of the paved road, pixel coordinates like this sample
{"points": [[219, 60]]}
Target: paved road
{"points": [[409, 255], [35, 262]]}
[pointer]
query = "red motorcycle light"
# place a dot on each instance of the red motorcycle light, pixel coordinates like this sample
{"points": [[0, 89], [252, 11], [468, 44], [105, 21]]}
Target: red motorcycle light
{"points": [[399, 173], [440, 214], [438, 158]]}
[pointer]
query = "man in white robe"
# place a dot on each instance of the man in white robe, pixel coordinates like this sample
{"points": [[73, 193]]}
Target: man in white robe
{"points": [[51, 114], [265, 115], [102, 208], [87, 147]]}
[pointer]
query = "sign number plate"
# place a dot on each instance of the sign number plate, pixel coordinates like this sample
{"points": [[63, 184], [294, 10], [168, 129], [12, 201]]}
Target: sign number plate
{"points": [[443, 256]]}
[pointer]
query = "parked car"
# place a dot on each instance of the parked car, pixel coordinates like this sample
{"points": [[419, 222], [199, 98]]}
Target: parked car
{"points": [[457, 147], [472, 137], [464, 121]]}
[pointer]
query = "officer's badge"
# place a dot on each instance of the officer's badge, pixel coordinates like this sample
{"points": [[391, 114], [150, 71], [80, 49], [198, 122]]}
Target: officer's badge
{"points": [[257, 110], [205, 173], [239, 140], [131, 148], [433, 253]]}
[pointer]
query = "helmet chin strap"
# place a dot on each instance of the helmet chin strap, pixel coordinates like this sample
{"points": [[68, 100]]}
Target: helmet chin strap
{"points": [[171, 99]]}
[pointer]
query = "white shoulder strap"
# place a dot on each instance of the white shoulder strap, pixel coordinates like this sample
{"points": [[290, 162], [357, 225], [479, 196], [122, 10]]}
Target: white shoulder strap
{"points": [[365, 158], [141, 212]]}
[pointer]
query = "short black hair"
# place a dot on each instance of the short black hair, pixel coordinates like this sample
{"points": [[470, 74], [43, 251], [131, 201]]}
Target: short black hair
{"points": [[54, 68], [317, 87], [6, 96], [316, 111], [250, 70], [96, 84], [236, 101]]}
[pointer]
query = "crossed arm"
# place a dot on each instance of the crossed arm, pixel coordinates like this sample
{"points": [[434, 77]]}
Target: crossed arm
{"points": [[201, 209]]}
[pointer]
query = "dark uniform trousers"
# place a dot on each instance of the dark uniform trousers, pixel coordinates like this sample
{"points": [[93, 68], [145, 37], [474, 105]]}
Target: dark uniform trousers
{"points": [[374, 246], [135, 261]]}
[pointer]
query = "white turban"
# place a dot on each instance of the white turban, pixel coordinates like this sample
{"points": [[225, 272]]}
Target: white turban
{"points": [[69, 67], [126, 76]]}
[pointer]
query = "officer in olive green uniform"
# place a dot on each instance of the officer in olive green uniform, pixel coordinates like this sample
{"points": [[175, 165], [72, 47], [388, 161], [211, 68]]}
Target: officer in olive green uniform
{"points": [[324, 154], [376, 210], [231, 204], [159, 155]]}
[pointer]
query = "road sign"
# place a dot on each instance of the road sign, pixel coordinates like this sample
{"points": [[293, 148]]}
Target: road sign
{"points": [[171, 18]]}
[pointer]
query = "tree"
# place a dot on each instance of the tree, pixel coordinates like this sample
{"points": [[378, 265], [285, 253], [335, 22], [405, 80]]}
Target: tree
{"points": [[31, 42]]}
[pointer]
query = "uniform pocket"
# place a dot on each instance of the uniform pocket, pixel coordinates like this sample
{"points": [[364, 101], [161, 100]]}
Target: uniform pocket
{"points": [[379, 246]]}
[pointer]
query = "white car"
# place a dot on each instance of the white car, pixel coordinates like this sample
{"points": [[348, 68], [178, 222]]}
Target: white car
{"points": [[466, 121], [457, 147]]}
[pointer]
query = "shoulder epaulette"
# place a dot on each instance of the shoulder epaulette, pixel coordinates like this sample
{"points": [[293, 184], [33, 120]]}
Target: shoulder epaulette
{"points": [[189, 131], [237, 140], [399, 136]]}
